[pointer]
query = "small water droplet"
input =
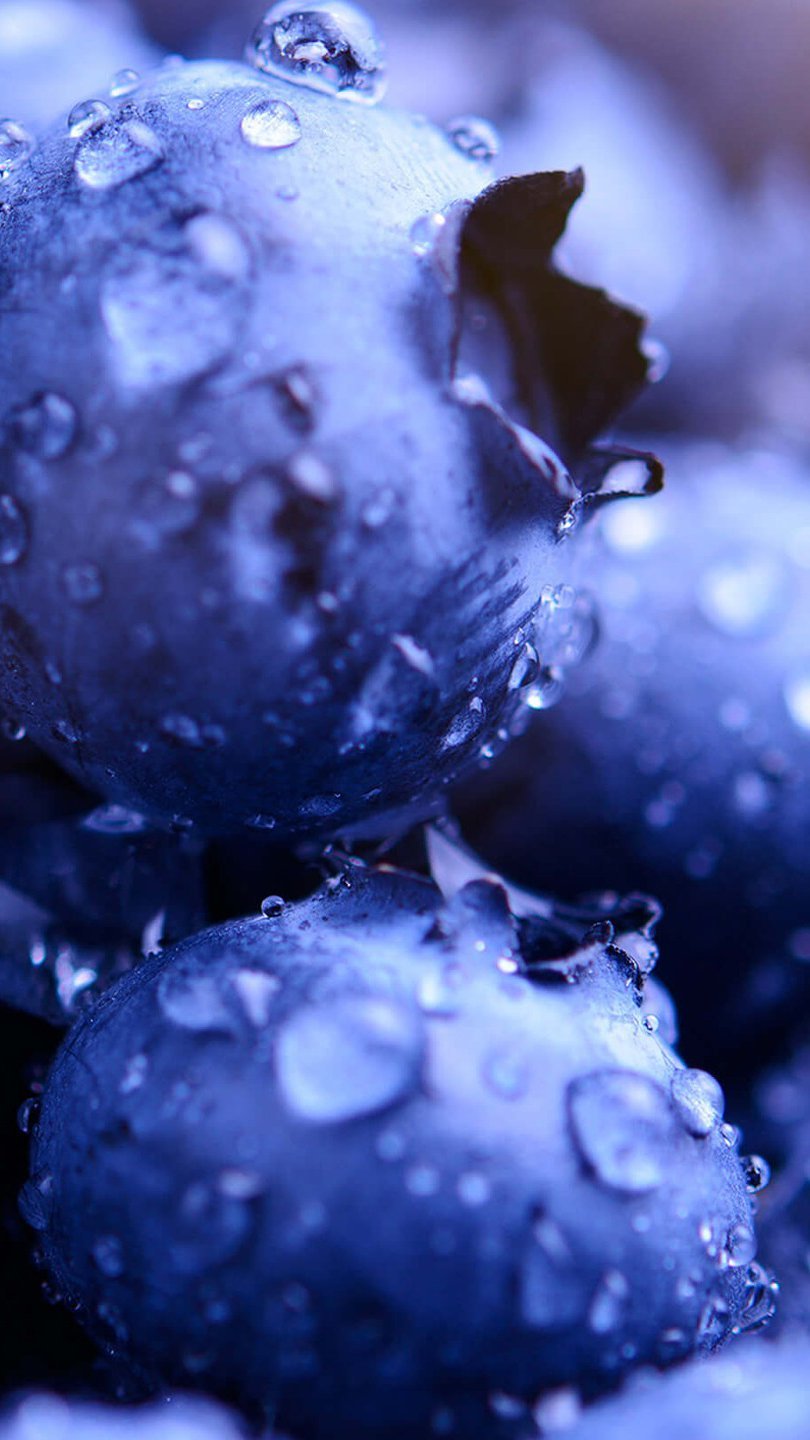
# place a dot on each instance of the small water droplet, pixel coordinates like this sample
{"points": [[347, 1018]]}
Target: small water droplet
{"points": [[425, 233], [135, 1072], [699, 1101], [333, 48], [525, 669], [422, 1180], [353, 1056], [28, 1114], [759, 1303], [15, 145], [125, 82], [256, 990], [547, 690], [13, 531], [193, 1001], [12, 729], [473, 1189], [87, 117], [609, 1302], [34, 1201], [83, 584], [474, 137], [757, 1173], [46, 426], [108, 1256], [622, 1124], [741, 1245], [271, 906], [271, 125], [507, 1074], [312, 477], [113, 154]]}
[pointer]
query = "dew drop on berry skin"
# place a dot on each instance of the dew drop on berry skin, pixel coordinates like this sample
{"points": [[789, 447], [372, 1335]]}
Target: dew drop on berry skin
{"points": [[46, 426], [351, 1057], [83, 584], [13, 531], [87, 117], [125, 82], [699, 1101], [271, 125], [475, 138], [15, 145], [112, 154], [797, 699], [333, 48], [622, 1125]]}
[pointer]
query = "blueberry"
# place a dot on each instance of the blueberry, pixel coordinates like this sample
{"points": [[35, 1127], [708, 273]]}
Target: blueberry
{"points": [[285, 548], [385, 1161], [680, 759], [751, 1391]]}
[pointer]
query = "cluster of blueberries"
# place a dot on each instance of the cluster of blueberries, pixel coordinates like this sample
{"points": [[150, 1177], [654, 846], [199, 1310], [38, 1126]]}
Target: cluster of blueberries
{"points": [[359, 690]]}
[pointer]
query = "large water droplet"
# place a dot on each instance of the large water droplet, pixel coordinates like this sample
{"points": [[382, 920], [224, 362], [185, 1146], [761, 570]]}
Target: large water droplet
{"points": [[333, 48], [46, 426], [125, 82], [15, 145], [351, 1057], [622, 1124], [13, 531], [699, 1101], [476, 138], [87, 117], [112, 154], [271, 125]]}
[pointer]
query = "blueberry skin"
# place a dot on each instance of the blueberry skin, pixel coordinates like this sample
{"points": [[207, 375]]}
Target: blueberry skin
{"points": [[753, 1389], [380, 1159], [55, 51], [50, 1417], [85, 888], [282, 552], [679, 760]]}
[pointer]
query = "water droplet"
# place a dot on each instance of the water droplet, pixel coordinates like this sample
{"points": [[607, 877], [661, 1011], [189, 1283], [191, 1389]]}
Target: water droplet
{"points": [[797, 699], [87, 117], [745, 594], [741, 1245], [115, 820], [547, 690], [312, 477], [476, 138], [135, 1072], [507, 1074], [28, 1114], [353, 1056], [757, 1173], [622, 1124], [13, 729], [465, 725], [46, 426], [558, 1411], [414, 654], [609, 1302], [114, 153], [194, 1001], [271, 125], [333, 48], [525, 669], [34, 1201], [271, 906], [423, 1180], [256, 990], [425, 233], [125, 82], [83, 584], [552, 1294], [699, 1101], [759, 1302], [108, 1256], [712, 1324], [13, 531], [15, 145]]}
